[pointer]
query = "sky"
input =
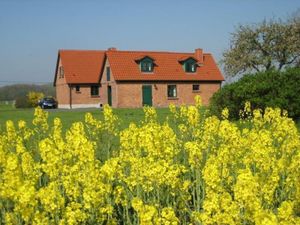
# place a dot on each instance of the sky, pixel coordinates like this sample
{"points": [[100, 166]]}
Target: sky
{"points": [[32, 31]]}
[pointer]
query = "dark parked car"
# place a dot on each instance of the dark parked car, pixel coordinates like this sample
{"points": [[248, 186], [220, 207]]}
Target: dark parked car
{"points": [[48, 103]]}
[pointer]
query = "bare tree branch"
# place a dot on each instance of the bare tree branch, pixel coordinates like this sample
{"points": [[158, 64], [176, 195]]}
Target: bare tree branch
{"points": [[268, 45]]}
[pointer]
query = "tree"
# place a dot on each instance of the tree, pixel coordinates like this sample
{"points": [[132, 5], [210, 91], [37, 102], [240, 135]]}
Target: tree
{"points": [[264, 89], [12, 92], [273, 44]]}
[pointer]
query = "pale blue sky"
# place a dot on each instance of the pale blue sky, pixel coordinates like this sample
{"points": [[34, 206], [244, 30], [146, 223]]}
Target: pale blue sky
{"points": [[32, 31]]}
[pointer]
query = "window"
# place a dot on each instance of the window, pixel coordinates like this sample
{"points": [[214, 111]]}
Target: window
{"points": [[190, 66], [61, 72], [77, 88], [172, 91], [196, 87], [108, 73], [146, 65], [95, 90]]}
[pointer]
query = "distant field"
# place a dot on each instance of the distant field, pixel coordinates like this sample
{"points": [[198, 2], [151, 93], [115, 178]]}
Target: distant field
{"points": [[8, 112]]}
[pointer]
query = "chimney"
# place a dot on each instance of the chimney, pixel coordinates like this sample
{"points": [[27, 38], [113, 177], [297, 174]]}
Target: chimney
{"points": [[112, 49], [199, 55]]}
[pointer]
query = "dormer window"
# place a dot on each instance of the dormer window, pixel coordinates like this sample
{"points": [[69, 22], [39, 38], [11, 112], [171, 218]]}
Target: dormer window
{"points": [[190, 66], [146, 65]]}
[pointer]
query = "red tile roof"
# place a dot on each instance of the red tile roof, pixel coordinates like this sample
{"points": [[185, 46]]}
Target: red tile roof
{"points": [[182, 59], [167, 66], [86, 66], [82, 66]]}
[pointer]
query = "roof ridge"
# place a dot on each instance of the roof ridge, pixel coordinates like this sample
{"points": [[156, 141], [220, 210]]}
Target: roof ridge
{"points": [[143, 51], [128, 51], [165, 52], [81, 50]]}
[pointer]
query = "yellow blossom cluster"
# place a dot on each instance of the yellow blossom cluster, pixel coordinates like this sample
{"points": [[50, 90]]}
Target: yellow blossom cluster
{"points": [[191, 169]]}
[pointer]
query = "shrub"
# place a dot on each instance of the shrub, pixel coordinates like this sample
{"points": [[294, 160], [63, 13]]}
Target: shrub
{"points": [[266, 89], [34, 97], [22, 102]]}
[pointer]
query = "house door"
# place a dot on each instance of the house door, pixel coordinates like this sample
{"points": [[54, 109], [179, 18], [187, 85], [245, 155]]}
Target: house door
{"points": [[109, 97], [147, 95]]}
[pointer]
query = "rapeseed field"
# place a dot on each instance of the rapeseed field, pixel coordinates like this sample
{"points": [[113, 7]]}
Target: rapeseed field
{"points": [[192, 168]]}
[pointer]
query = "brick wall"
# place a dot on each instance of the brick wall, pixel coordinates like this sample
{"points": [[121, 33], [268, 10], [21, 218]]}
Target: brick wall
{"points": [[62, 94], [62, 89], [84, 95], [105, 84], [130, 93]]}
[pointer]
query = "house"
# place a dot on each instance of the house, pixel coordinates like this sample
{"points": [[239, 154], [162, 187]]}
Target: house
{"points": [[127, 79]]}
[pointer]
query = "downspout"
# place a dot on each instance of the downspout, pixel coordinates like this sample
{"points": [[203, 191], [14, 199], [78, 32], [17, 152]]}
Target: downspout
{"points": [[70, 97]]}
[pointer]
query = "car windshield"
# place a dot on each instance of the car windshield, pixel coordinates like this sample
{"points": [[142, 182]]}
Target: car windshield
{"points": [[49, 100]]}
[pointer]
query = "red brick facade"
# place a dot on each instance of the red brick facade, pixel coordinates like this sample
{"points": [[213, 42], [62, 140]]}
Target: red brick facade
{"points": [[128, 92]]}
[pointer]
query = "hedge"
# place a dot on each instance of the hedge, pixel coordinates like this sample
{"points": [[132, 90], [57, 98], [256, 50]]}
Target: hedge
{"points": [[265, 89]]}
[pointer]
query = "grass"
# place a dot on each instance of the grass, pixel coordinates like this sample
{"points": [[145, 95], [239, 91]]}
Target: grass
{"points": [[126, 116]]}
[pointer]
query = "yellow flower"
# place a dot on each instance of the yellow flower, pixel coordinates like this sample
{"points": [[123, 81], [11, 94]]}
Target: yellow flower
{"points": [[191, 169], [225, 113]]}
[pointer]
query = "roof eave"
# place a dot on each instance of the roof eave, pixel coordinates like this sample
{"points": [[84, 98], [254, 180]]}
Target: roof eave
{"points": [[56, 69]]}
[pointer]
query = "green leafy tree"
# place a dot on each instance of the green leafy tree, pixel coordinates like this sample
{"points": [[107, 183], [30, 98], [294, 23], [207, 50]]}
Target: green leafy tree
{"points": [[273, 44], [13, 92], [264, 89]]}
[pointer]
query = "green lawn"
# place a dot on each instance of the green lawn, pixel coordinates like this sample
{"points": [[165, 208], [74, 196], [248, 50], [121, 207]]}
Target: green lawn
{"points": [[126, 116]]}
